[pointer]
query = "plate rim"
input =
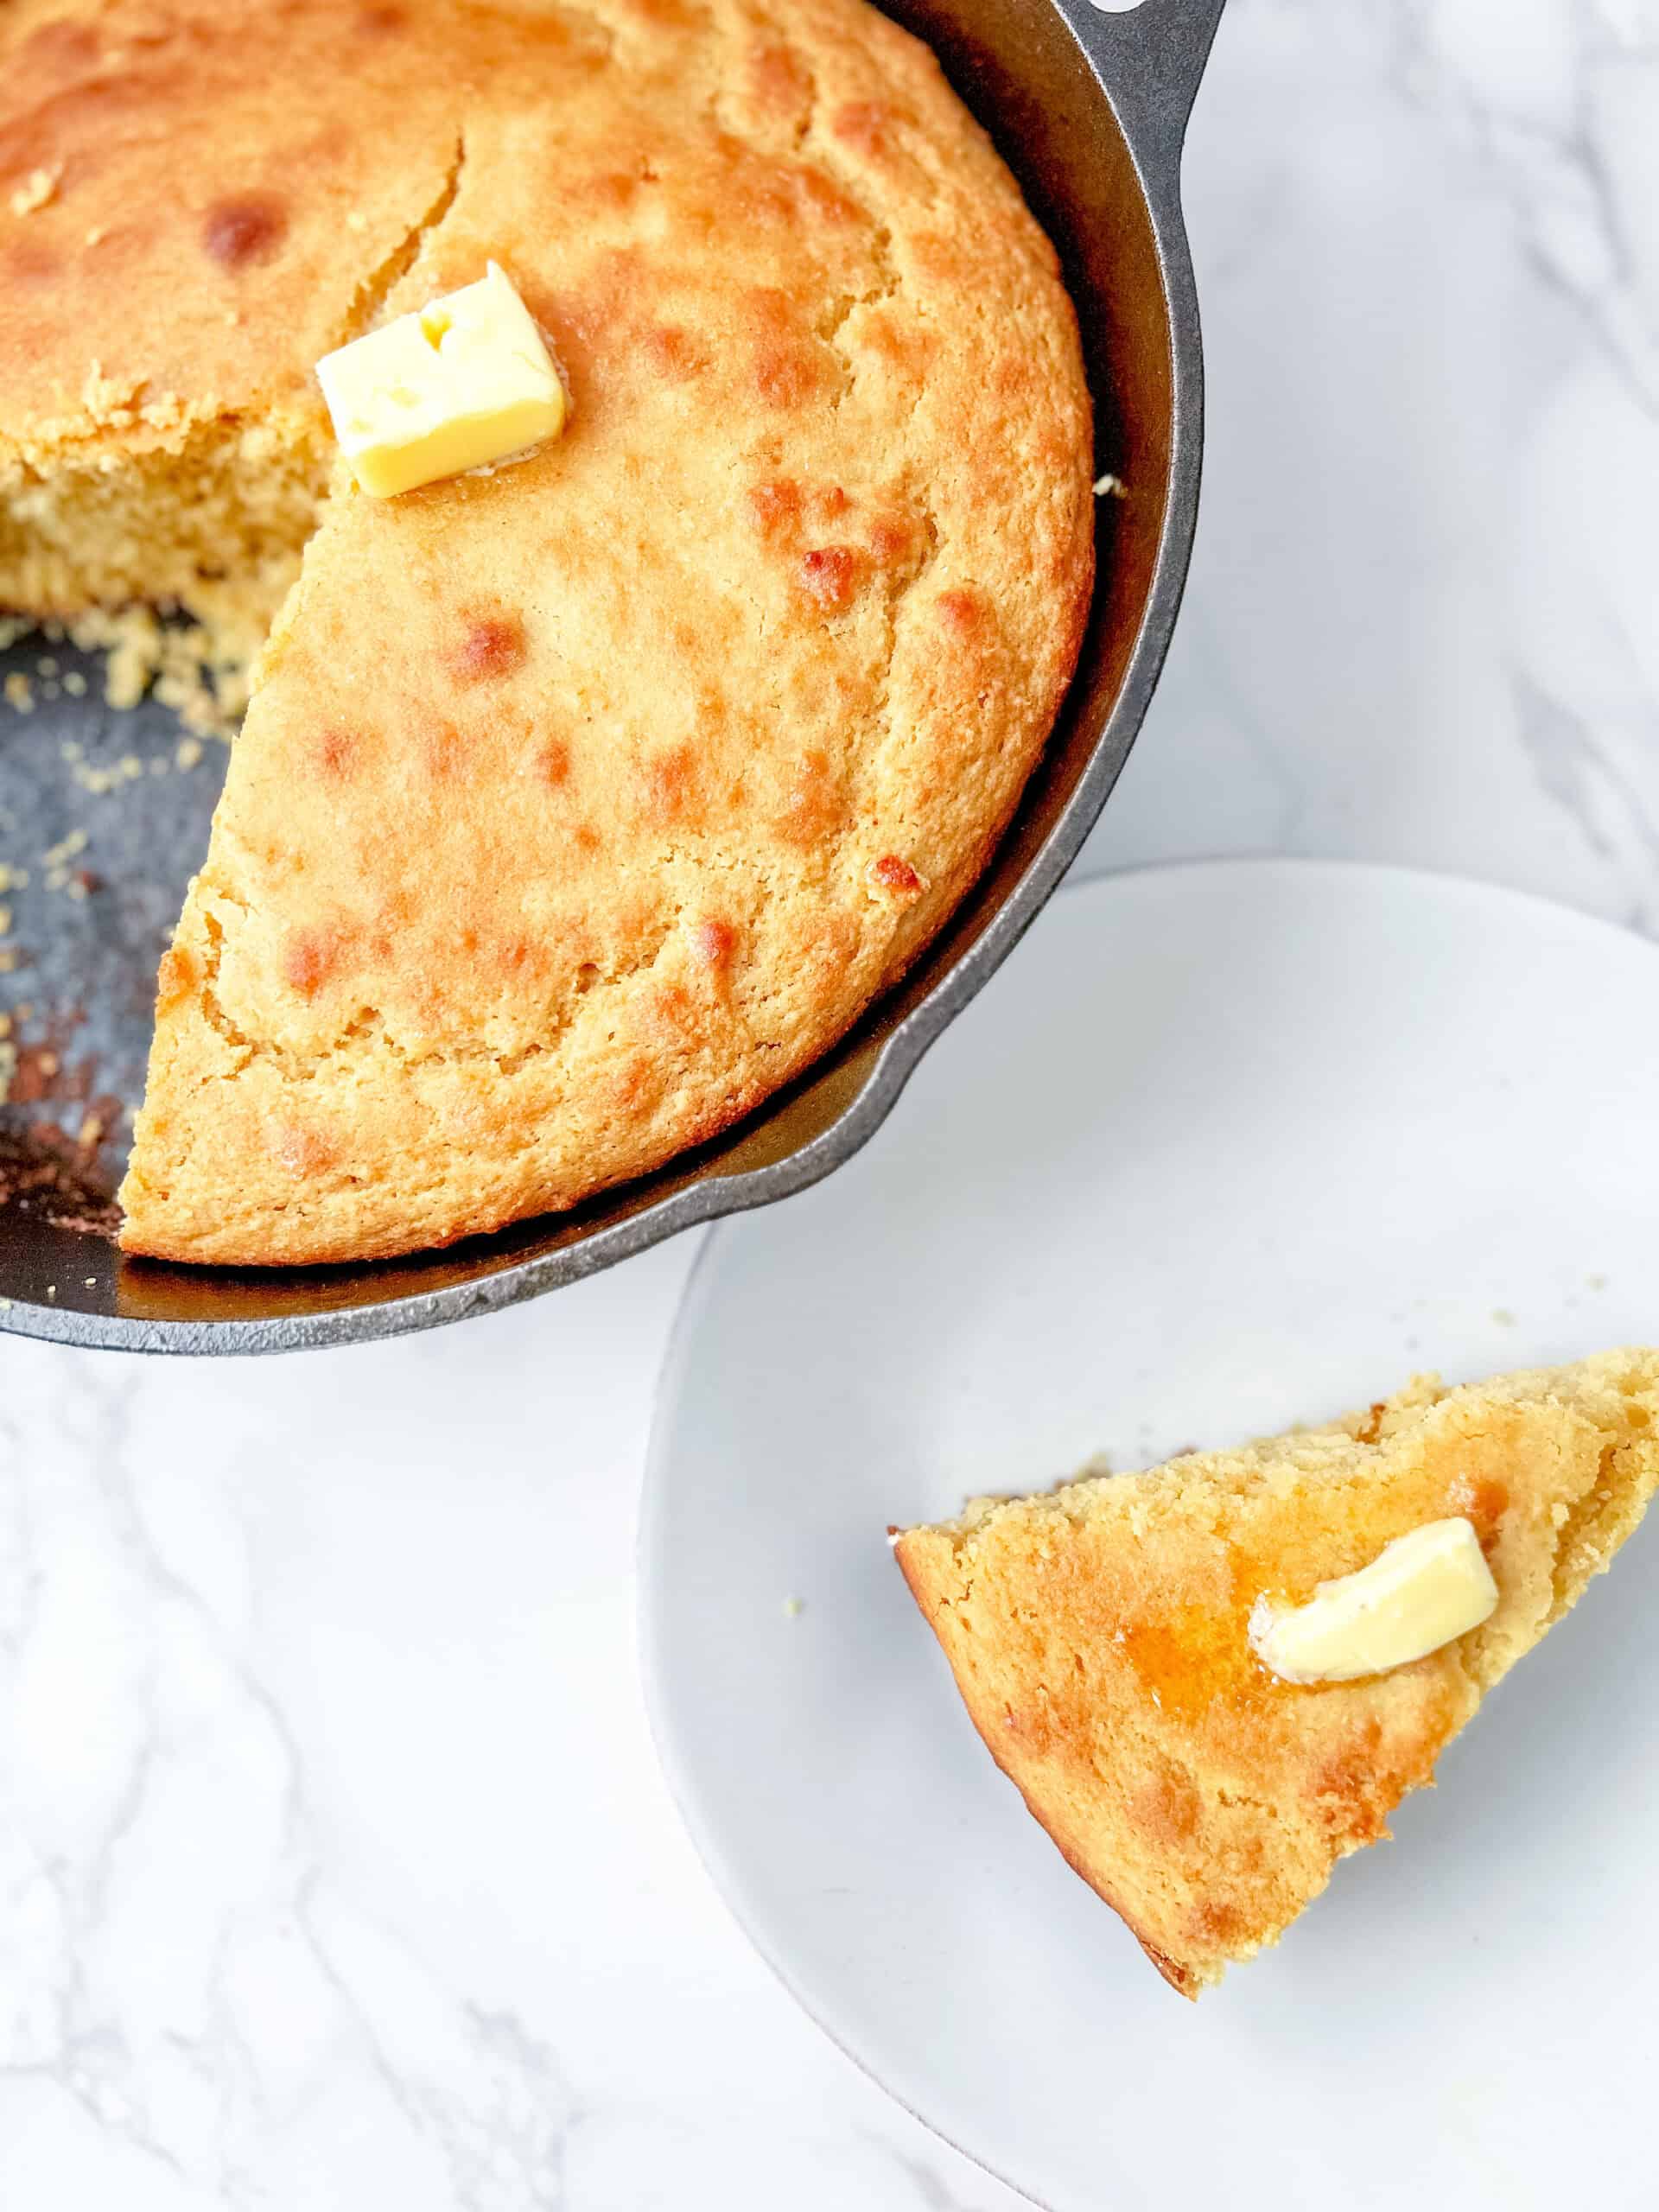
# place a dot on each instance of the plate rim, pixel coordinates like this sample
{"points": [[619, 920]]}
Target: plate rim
{"points": [[676, 1776]]}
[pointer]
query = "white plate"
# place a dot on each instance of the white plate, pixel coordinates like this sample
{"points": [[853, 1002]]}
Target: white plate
{"points": [[1222, 1147]]}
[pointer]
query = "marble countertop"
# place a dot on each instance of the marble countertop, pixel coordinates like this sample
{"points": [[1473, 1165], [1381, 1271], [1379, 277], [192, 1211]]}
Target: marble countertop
{"points": [[335, 1870]]}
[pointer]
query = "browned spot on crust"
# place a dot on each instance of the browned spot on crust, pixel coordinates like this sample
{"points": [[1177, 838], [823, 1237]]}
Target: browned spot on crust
{"points": [[1356, 1795], [337, 753], [891, 541], [1168, 1808], [816, 807], [671, 1011], [1216, 1922], [596, 325], [517, 957], [776, 508], [235, 232], [943, 253], [675, 15], [669, 786], [961, 612], [378, 22], [906, 345], [310, 957], [586, 838], [831, 503], [444, 751], [618, 189], [673, 351], [781, 80], [63, 49], [713, 943], [714, 713], [1484, 1503], [179, 975], [896, 877], [829, 576], [554, 762], [636, 1081], [494, 646], [795, 198], [895, 540], [785, 375], [1014, 382], [32, 261], [817, 198], [303, 1148], [863, 125]]}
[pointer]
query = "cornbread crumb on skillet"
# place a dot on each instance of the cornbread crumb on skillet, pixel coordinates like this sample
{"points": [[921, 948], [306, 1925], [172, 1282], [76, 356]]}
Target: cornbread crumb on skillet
{"points": [[582, 803], [1098, 1636]]}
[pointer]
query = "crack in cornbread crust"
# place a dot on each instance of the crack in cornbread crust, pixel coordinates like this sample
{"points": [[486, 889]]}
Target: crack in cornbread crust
{"points": [[581, 804], [1098, 1636]]}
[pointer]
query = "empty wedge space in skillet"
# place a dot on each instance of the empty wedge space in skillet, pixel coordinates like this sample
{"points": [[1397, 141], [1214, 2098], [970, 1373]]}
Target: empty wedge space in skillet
{"points": [[583, 803], [1100, 1635]]}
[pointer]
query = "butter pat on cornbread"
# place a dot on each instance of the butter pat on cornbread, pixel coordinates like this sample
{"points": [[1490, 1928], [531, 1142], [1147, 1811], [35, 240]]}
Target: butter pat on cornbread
{"points": [[1101, 1634], [463, 382], [1424, 1589]]}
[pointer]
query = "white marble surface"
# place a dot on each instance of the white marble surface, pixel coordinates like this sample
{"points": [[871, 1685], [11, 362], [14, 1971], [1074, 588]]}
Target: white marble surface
{"points": [[335, 1867]]}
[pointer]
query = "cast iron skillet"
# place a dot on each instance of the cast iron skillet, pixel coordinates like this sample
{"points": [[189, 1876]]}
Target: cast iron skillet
{"points": [[1089, 108]]}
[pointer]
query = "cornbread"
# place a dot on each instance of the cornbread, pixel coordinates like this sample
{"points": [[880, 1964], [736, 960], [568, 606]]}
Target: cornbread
{"points": [[1099, 1636], [582, 801]]}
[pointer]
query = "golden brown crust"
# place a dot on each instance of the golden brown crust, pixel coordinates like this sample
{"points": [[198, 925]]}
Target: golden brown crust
{"points": [[154, 289], [1098, 1635], [583, 803]]}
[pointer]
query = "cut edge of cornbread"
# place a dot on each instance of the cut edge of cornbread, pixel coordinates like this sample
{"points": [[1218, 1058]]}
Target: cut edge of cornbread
{"points": [[207, 524], [1098, 1635]]}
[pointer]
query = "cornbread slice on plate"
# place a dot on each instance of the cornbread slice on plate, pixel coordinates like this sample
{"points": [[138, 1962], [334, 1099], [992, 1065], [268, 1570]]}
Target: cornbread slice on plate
{"points": [[1100, 1635], [582, 801]]}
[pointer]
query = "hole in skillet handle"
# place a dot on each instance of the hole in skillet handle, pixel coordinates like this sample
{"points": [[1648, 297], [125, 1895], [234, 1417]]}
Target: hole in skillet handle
{"points": [[1151, 56]]}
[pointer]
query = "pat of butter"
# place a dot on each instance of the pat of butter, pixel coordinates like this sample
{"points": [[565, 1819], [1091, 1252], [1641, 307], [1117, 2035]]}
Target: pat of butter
{"points": [[1420, 1592], [465, 381]]}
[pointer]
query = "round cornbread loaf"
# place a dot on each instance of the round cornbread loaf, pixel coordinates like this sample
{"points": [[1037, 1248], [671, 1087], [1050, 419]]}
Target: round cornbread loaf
{"points": [[581, 802]]}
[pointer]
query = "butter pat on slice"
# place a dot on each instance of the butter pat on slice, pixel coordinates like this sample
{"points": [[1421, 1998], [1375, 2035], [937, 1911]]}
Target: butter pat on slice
{"points": [[465, 381], [1420, 1592]]}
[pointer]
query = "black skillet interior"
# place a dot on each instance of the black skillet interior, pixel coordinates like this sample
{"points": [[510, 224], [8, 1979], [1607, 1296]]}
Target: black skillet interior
{"points": [[107, 815]]}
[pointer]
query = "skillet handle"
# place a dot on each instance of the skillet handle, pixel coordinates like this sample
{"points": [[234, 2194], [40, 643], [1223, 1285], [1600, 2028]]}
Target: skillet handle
{"points": [[1151, 59]]}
